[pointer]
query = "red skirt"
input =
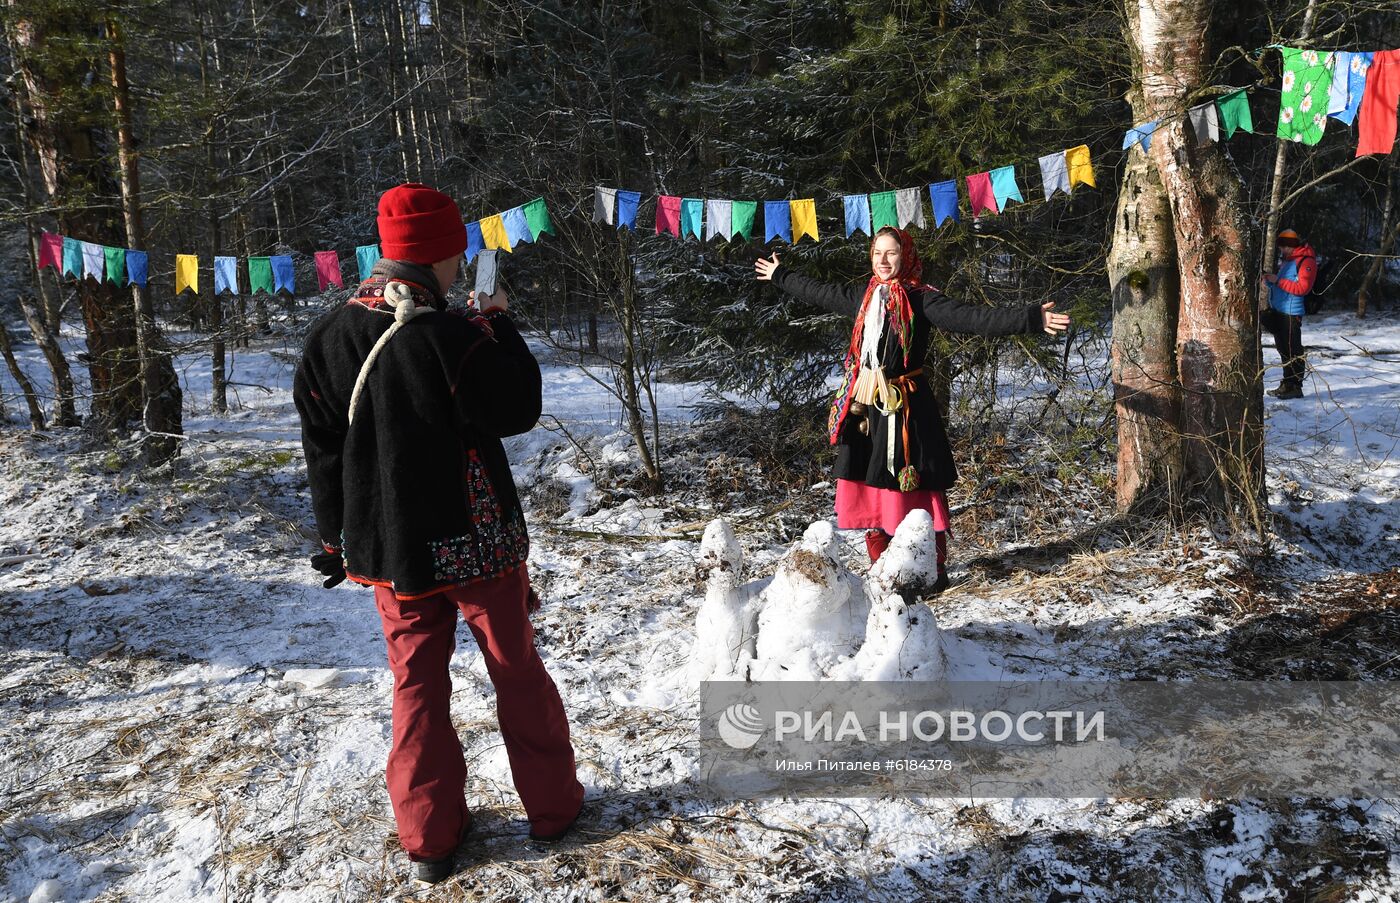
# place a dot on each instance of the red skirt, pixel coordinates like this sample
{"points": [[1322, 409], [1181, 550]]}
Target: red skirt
{"points": [[860, 506]]}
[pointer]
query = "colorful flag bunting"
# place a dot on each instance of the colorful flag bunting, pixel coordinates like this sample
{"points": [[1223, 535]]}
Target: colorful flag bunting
{"points": [[50, 250], [692, 212], [328, 270], [517, 227], [1054, 175], [1080, 169], [742, 214], [1234, 112], [475, 245], [908, 204], [980, 194], [186, 273], [366, 256], [93, 259], [627, 202], [857, 214], [1307, 80], [260, 275], [944, 198], [1352, 74], [777, 221], [72, 257], [537, 218], [802, 214], [604, 201], [1004, 187], [283, 274], [136, 267], [225, 275], [493, 232], [1204, 123], [1140, 134], [116, 264], [717, 219], [668, 215], [1375, 123], [884, 210]]}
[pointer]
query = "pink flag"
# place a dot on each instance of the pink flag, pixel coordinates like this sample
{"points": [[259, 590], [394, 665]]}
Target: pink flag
{"points": [[328, 269], [668, 215], [50, 250], [979, 192]]}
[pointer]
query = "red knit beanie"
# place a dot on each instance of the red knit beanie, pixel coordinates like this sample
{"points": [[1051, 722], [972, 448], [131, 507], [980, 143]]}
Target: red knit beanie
{"points": [[420, 225]]}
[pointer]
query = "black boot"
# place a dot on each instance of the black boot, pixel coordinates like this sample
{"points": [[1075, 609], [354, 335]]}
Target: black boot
{"points": [[1287, 390], [435, 871]]}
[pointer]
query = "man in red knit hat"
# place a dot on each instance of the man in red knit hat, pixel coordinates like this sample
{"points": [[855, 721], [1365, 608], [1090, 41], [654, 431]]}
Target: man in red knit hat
{"points": [[403, 406]]}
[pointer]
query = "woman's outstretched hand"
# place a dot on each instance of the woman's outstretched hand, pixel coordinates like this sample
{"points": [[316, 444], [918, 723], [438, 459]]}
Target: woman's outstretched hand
{"points": [[1052, 322], [764, 266]]}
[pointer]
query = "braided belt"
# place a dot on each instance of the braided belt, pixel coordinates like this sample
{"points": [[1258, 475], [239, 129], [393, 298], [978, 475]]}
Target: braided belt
{"points": [[892, 398]]}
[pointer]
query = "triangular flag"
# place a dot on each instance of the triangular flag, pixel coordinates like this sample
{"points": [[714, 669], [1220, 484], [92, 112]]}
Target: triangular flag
{"points": [[72, 257], [604, 201], [328, 269], [93, 260], [475, 242], [116, 264], [717, 219], [944, 198], [493, 232], [857, 214], [627, 202], [226, 275], [517, 228], [283, 274], [909, 205], [366, 256], [186, 273], [1054, 174], [1080, 169], [1204, 123], [537, 218], [1004, 187], [259, 275], [136, 267], [50, 250], [803, 216], [741, 217], [777, 221], [980, 194], [692, 210], [883, 210], [1234, 112], [668, 215]]}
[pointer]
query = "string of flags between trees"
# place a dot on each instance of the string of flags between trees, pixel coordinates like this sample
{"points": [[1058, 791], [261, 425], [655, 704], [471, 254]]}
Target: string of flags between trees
{"points": [[1353, 87]]}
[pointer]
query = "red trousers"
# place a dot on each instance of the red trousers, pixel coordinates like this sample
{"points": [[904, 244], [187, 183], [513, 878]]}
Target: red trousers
{"points": [[427, 774]]}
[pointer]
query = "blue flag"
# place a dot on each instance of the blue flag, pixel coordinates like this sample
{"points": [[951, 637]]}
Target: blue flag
{"points": [[136, 267], [627, 202], [366, 256], [1140, 134], [1004, 186], [226, 275], [692, 216], [857, 213], [777, 220], [283, 276], [944, 198], [517, 227]]}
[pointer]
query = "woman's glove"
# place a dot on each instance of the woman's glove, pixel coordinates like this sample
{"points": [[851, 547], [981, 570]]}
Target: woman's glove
{"points": [[331, 565]]}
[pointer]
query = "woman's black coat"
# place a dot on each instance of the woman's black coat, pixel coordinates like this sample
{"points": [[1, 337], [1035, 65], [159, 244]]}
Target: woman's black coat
{"points": [[929, 451]]}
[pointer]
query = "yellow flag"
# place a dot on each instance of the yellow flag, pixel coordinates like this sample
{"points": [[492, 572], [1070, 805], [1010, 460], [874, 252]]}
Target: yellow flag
{"points": [[1080, 170], [186, 273], [804, 219], [493, 232]]}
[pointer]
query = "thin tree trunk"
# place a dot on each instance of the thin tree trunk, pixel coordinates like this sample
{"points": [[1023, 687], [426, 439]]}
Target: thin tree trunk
{"points": [[218, 376], [1388, 236], [36, 414]]}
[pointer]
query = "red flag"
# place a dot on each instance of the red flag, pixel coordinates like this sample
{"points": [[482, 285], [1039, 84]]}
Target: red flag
{"points": [[328, 269], [668, 215], [50, 250], [1376, 122], [979, 192]]}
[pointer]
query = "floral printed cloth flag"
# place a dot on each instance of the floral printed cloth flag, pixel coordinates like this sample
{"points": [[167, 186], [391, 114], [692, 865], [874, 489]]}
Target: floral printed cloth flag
{"points": [[944, 198], [692, 214], [72, 257], [884, 210], [909, 205], [493, 232], [979, 192], [283, 274], [627, 202], [366, 256], [136, 267], [50, 250], [857, 213], [803, 214], [604, 200], [1080, 169], [668, 215], [1375, 122], [1054, 175], [1204, 122], [116, 264], [1004, 187], [226, 275], [1307, 81], [742, 214], [537, 218], [186, 273], [328, 270], [1348, 84], [1233, 109], [259, 275], [517, 227], [1140, 134], [93, 260], [777, 221], [717, 218]]}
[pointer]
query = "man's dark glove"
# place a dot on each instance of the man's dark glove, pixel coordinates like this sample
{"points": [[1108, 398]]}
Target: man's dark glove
{"points": [[331, 565]]}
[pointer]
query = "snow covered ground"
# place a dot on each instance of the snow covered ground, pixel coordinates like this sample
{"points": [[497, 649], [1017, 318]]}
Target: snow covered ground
{"points": [[188, 714]]}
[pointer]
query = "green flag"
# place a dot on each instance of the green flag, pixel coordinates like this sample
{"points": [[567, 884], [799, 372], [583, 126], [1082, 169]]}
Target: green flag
{"points": [[884, 210], [1307, 79], [116, 264], [741, 218], [1234, 112], [537, 217], [260, 276]]}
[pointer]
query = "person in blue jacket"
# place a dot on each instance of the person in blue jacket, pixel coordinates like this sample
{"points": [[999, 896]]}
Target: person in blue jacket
{"points": [[1284, 317]]}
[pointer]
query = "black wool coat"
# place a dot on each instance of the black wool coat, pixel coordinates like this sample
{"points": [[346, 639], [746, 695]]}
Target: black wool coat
{"points": [[416, 493], [862, 458]]}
